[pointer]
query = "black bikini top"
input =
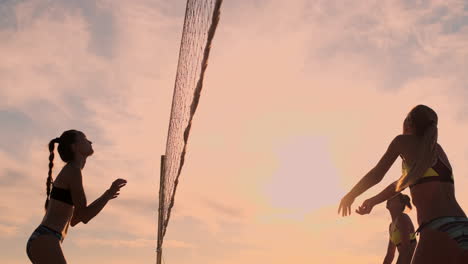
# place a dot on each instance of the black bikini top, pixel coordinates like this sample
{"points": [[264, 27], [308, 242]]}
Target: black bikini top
{"points": [[438, 172], [60, 194]]}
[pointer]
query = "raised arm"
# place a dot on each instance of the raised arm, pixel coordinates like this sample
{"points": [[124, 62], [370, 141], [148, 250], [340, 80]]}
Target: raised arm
{"points": [[374, 176], [383, 196], [83, 212]]}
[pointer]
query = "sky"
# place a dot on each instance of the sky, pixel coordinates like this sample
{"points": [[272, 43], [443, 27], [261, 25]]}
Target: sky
{"points": [[301, 98]]}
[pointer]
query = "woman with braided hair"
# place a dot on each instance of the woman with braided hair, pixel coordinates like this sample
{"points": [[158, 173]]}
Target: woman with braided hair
{"points": [[443, 225], [66, 201]]}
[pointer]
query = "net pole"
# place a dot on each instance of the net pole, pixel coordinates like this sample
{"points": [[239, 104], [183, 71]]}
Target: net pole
{"points": [[160, 211]]}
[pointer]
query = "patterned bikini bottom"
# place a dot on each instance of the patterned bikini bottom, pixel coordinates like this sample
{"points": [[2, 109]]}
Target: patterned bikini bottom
{"points": [[455, 226]]}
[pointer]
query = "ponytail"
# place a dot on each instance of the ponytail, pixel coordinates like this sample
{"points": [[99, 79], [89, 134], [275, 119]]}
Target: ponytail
{"points": [[427, 154], [51, 165], [406, 201]]}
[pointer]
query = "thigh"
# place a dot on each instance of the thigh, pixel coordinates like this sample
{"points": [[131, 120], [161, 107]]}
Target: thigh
{"points": [[436, 247], [46, 249]]}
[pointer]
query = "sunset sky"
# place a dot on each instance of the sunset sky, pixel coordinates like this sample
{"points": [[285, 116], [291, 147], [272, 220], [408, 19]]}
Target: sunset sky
{"points": [[301, 99]]}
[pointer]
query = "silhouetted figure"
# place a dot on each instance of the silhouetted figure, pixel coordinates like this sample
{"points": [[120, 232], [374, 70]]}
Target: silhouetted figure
{"points": [[401, 230], [66, 201], [443, 226]]}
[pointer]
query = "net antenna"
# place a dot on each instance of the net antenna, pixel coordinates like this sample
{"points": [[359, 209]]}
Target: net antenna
{"points": [[201, 20]]}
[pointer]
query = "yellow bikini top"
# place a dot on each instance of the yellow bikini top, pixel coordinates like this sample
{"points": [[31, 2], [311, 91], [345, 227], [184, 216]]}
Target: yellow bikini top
{"points": [[395, 235], [438, 172]]}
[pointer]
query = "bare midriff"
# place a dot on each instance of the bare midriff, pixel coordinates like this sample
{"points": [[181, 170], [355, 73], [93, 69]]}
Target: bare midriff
{"points": [[58, 216], [435, 199]]}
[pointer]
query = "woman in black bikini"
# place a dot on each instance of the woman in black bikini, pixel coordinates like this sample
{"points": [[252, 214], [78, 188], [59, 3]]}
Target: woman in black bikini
{"points": [[66, 201], [443, 226]]}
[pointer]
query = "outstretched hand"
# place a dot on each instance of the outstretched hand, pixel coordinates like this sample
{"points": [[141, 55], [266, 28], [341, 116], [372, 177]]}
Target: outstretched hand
{"points": [[345, 205], [114, 190], [365, 207]]}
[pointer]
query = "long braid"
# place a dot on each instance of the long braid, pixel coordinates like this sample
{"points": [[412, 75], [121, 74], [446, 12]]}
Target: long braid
{"points": [[51, 165]]}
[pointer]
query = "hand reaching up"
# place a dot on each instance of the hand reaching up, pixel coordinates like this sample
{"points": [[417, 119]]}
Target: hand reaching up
{"points": [[365, 207], [114, 190]]}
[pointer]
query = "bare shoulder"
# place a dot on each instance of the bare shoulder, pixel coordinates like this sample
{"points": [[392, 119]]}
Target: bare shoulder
{"points": [[407, 146], [399, 142], [71, 175], [406, 139]]}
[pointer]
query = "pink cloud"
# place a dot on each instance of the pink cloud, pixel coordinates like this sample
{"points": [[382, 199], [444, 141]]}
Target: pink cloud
{"points": [[318, 69]]}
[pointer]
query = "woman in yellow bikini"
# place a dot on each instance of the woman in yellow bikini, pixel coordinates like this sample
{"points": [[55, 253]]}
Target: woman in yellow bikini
{"points": [[401, 230], [443, 225]]}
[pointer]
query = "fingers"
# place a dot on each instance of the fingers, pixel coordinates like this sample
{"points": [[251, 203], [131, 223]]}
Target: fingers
{"points": [[118, 187], [114, 190], [117, 184], [345, 207], [342, 209], [345, 210], [115, 195], [120, 182], [362, 210]]}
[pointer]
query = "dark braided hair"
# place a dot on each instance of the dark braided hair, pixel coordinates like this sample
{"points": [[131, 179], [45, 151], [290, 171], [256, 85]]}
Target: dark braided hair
{"points": [[66, 154]]}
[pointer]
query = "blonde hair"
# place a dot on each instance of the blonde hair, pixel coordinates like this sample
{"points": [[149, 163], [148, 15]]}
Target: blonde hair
{"points": [[423, 121]]}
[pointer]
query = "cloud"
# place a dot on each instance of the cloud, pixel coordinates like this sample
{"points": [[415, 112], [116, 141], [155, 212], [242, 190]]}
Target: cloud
{"points": [[220, 208], [283, 78], [8, 230], [305, 166], [16, 130], [178, 244], [137, 243], [7, 15], [10, 177]]}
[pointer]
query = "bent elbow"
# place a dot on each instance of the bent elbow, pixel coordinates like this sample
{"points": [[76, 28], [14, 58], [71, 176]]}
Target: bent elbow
{"points": [[77, 218], [72, 224]]}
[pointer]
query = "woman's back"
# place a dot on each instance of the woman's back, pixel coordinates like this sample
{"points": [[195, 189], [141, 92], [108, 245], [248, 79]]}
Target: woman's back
{"points": [[434, 198], [59, 213]]}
